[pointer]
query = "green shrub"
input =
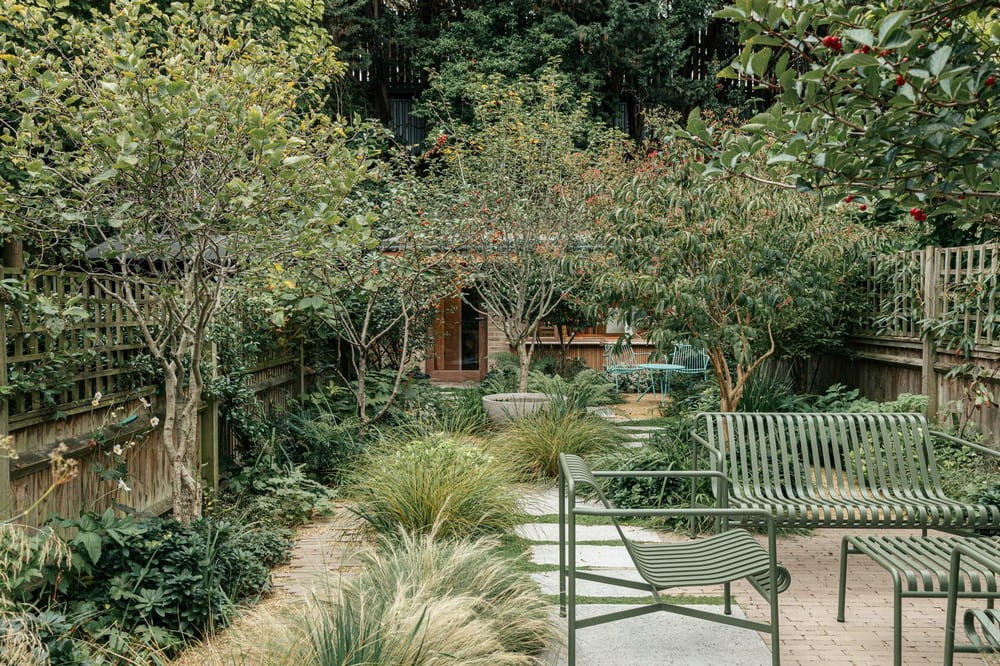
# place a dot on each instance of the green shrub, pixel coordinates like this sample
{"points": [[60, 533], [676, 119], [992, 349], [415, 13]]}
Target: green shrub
{"points": [[586, 388], [273, 494], [667, 450], [421, 600], [838, 398], [769, 390], [155, 580], [436, 479], [533, 443]]}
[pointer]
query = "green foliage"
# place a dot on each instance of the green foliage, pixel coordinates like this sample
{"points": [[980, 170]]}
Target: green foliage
{"points": [[155, 579], [668, 450], [768, 390], [320, 432], [435, 481], [586, 388], [893, 103], [532, 444], [122, 143], [838, 398], [735, 265], [273, 495]]}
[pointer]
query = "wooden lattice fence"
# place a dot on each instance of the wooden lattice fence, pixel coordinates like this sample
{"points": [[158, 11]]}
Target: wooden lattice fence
{"points": [[929, 312], [74, 373]]}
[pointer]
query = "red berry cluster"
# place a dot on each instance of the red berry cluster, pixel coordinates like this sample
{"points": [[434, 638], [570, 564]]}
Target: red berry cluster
{"points": [[900, 80], [918, 214], [833, 42], [864, 49], [990, 81]]}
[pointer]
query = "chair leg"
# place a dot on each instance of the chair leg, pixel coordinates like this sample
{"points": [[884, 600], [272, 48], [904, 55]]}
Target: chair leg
{"points": [[727, 595], [571, 594], [562, 545], [841, 601]]}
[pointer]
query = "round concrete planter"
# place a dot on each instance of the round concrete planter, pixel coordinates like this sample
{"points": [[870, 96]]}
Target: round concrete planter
{"points": [[504, 407]]}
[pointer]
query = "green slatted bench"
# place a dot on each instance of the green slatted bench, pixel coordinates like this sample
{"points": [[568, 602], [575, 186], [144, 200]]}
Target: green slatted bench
{"points": [[718, 559], [835, 470], [920, 567]]}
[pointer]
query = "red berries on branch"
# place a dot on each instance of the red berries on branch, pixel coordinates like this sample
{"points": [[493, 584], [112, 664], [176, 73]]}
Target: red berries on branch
{"points": [[833, 43], [990, 81], [918, 215], [900, 80], [849, 198]]}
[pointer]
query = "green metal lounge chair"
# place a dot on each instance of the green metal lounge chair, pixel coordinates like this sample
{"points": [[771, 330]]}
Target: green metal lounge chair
{"points": [[721, 558], [982, 625]]}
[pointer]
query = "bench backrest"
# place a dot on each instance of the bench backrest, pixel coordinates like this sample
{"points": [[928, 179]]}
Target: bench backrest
{"points": [[822, 455]]}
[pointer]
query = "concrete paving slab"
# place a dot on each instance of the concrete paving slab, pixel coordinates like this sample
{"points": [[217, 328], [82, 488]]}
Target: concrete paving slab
{"points": [[641, 431], [635, 444], [663, 639], [549, 582], [550, 532], [544, 501], [605, 557]]}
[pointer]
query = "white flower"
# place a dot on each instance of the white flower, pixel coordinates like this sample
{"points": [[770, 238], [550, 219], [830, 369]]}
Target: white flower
{"points": [[123, 486], [154, 421], [96, 400], [145, 403], [118, 449]]}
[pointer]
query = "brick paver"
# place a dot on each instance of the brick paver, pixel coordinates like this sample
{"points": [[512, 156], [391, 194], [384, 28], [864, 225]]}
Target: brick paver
{"points": [[809, 627]]}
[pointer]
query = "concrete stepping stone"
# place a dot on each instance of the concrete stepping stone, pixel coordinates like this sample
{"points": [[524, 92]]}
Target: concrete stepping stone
{"points": [[550, 532], [641, 431], [664, 639], [545, 501], [635, 444], [605, 557], [549, 582]]}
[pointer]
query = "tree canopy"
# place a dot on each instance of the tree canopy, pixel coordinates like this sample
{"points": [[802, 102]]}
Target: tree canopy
{"points": [[893, 106]]}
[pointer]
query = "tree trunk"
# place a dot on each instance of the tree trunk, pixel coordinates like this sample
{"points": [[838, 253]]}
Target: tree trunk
{"points": [[180, 436], [524, 365]]}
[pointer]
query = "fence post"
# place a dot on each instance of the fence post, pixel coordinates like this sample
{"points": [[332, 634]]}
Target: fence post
{"points": [[210, 430], [928, 375], [6, 496]]}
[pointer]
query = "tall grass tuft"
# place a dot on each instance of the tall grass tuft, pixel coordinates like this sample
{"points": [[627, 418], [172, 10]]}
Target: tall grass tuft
{"points": [[420, 601], [436, 479], [533, 443]]}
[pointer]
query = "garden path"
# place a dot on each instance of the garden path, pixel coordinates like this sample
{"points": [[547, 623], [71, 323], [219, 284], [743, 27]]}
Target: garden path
{"points": [[328, 545]]}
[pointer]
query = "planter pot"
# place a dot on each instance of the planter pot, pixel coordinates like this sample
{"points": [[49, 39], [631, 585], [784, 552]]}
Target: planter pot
{"points": [[504, 407]]}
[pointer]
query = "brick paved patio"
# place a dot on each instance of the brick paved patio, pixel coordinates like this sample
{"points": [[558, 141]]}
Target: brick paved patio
{"points": [[810, 631]]}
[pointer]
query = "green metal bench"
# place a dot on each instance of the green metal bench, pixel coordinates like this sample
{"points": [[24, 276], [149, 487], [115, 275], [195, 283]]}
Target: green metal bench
{"points": [[982, 625], [718, 559], [835, 470]]}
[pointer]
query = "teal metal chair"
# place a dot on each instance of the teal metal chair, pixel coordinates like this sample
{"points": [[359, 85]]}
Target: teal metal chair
{"points": [[981, 625], [621, 362], [722, 558], [693, 361]]}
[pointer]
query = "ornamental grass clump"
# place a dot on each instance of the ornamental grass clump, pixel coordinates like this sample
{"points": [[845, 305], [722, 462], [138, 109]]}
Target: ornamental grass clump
{"points": [[533, 443], [420, 600], [435, 480]]}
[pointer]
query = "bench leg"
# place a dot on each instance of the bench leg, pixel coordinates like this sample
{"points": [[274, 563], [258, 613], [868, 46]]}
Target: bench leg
{"points": [[841, 597], [897, 622], [571, 594], [727, 595]]}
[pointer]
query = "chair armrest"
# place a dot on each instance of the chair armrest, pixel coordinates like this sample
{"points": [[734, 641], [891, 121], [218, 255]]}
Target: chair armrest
{"points": [[705, 445], [958, 440], [660, 474], [760, 514]]}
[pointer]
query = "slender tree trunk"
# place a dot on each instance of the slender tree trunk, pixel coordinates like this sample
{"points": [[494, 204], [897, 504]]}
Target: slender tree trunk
{"points": [[181, 439], [524, 351]]}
